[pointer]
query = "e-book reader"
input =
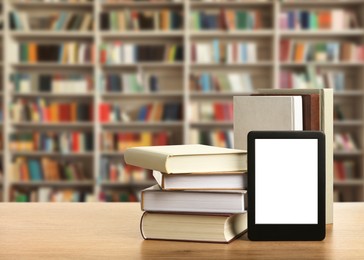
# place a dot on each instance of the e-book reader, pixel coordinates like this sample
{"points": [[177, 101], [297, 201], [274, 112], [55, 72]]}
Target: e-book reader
{"points": [[286, 185]]}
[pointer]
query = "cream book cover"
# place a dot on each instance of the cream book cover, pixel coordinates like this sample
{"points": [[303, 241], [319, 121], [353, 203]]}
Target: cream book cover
{"points": [[280, 113], [188, 158]]}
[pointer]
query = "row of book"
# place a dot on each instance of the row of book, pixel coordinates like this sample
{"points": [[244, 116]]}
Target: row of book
{"points": [[212, 137], [303, 51], [344, 142], [115, 170], [46, 194], [126, 83], [57, 21], [121, 53], [223, 52], [46, 169], [334, 19], [154, 112], [23, 110], [62, 142], [207, 111], [344, 170], [117, 196], [190, 195], [226, 19], [52, 83], [65, 53], [228, 82], [132, 20], [312, 78], [112, 141]]}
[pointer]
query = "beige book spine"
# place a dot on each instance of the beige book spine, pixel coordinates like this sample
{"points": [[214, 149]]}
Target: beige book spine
{"points": [[148, 160]]}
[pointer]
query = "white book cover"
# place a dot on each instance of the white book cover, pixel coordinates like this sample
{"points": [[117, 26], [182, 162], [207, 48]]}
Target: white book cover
{"points": [[265, 113], [204, 53], [128, 53]]}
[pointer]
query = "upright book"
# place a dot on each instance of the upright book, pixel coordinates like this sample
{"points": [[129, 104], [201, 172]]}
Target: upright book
{"points": [[265, 113], [196, 201], [187, 158], [202, 181], [193, 227]]}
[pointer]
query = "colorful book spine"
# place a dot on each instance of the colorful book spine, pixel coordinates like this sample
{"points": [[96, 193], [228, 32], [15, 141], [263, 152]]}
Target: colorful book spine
{"points": [[41, 111], [66, 53], [330, 19], [116, 141], [126, 53], [47, 169], [156, 112]]}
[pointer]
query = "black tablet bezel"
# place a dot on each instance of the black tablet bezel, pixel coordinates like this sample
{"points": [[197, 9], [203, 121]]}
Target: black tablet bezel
{"points": [[286, 232]]}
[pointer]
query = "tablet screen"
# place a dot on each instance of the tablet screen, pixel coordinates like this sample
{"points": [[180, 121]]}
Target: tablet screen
{"points": [[286, 181]]}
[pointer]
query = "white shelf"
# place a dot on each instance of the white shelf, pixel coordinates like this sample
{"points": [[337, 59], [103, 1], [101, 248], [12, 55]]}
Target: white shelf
{"points": [[50, 4], [58, 124], [142, 95], [151, 64], [142, 4], [51, 154], [214, 123], [201, 4], [348, 123], [322, 64], [53, 95], [64, 183], [52, 65], [53, 34], [217, 94], [321, 2], [348, 153], [144, 124], [349, 93], [232, 65], [354, 182], [112, 153], [235, 33], [322, 33], [128, 184], [141, 34]]}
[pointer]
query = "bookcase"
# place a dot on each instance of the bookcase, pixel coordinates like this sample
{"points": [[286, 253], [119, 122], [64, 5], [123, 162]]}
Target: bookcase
{"points": [[138, 59]]}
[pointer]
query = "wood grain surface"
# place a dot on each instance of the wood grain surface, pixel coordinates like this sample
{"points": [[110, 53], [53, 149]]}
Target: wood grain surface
{"points": [[111, 231]]}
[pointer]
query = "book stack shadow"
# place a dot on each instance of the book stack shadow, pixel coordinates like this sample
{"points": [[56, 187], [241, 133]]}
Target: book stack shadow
{"points": [[200, 196]]}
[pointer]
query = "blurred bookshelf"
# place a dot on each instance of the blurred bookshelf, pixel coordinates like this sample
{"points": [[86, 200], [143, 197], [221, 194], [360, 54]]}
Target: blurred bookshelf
{"points": [[128, 73]]}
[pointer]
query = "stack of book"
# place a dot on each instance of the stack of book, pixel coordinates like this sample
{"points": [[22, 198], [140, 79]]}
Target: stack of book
{"points": [[200, 196]]}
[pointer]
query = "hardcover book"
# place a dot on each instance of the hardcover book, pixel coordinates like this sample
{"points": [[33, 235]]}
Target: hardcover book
{"points": [[192, 227], [202, 181], [187, 158], [197, 201]]}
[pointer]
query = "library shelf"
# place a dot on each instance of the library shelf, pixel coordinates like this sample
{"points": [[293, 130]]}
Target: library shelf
{"points": [[140, 34], [142, 95], [348, 123], [53, 34], [144, 124], [52, 95], [349, 182], [51, 154], [83, 183], [127, 184], [265, 73]]}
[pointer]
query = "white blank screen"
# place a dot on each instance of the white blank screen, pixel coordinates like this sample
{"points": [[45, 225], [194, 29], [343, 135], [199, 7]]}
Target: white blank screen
{"points": [[286, 180]]}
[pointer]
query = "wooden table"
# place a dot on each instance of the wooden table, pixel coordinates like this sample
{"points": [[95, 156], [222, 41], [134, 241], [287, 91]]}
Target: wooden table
{"points": [[111, 231]]}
